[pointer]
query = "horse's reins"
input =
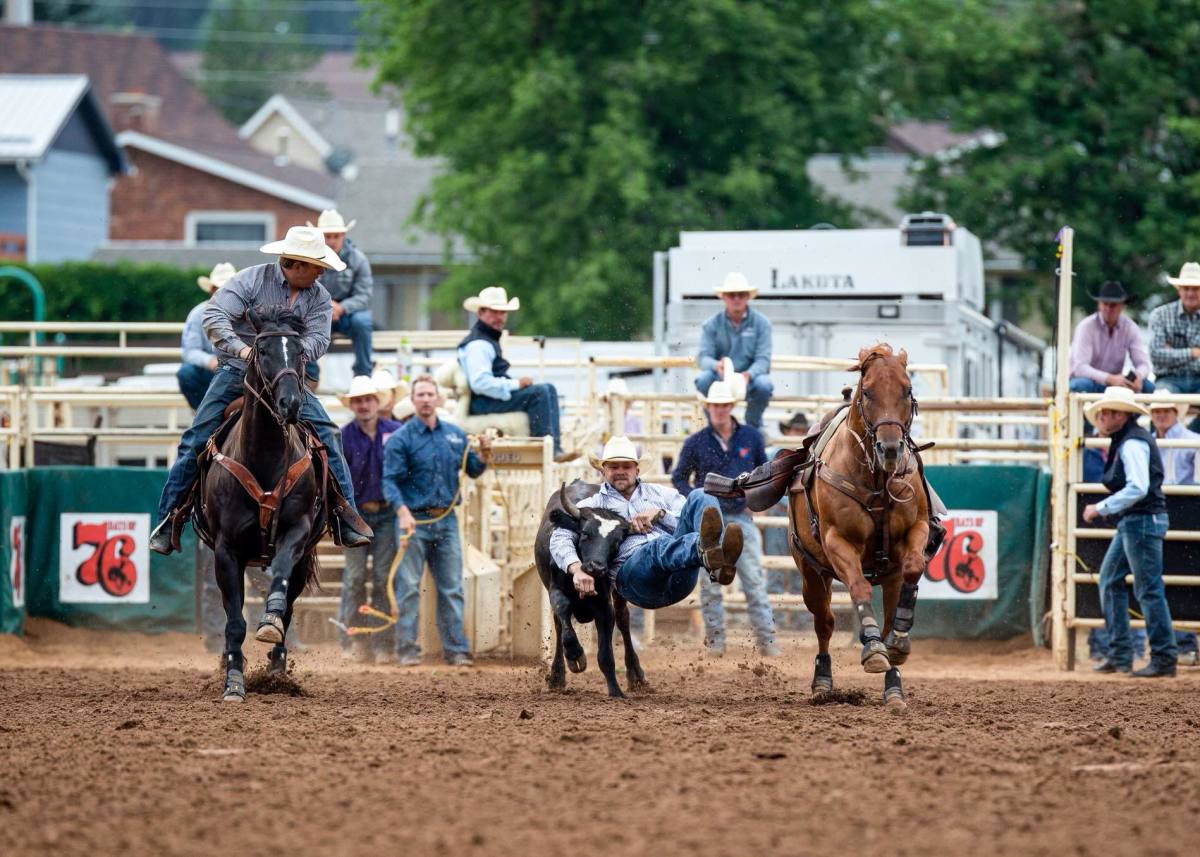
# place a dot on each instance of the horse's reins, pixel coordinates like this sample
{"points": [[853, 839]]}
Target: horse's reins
{"points": [[269, 385]]}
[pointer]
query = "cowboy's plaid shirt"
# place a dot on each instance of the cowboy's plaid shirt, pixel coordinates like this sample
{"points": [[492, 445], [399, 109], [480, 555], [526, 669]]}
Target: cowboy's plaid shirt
{"points": [[1173, 335]]}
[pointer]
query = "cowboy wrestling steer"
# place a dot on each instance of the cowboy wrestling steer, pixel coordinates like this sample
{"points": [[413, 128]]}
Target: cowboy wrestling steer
{"points": [[600, 535]]}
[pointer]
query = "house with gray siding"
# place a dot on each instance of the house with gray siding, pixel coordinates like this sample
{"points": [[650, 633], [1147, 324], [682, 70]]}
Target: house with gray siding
{"points": [[58, 157]]}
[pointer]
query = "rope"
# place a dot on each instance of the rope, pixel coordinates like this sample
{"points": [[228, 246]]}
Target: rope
{"points": [[1133, 614]]}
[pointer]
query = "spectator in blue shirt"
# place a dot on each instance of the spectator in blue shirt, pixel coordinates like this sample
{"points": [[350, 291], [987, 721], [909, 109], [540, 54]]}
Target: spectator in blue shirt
{"points": [[726, 447], [363, 440], [421, 472], [199, 355], [744, 337]]}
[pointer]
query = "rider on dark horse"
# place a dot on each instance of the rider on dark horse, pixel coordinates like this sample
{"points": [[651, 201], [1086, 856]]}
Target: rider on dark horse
{"points": [[292, 280]]}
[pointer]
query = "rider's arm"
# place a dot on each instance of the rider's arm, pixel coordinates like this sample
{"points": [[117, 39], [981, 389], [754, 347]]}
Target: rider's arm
{"points": [[562, 547], [672, 506]]}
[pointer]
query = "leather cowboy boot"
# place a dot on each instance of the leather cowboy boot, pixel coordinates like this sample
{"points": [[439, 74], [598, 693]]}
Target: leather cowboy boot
{"points": [[349, 530], [719, 555], [160, 539]]}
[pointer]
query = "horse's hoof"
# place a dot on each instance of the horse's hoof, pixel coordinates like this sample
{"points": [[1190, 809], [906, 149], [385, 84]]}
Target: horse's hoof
{"points": [[876, 663], [235, 687], [577, 665], [895, 703], [277, 666], [615, 693], [821, 686], [231, 696], [557, 683], [270, 629], [898, 647], [572, 649]]}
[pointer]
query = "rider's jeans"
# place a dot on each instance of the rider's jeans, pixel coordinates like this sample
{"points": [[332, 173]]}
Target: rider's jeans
{"points": [[224, 388], [663, 572]]}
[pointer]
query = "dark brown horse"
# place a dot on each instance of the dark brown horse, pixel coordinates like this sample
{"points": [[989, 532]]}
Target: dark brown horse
{"points": [[864, 518], [246, 523]]}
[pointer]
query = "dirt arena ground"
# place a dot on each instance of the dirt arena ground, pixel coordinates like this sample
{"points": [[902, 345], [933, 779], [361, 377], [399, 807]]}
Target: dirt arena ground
{"points": [[116, 744]]}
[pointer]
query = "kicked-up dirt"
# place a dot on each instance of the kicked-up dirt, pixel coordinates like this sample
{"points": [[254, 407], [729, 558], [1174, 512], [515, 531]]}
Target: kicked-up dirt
{"points": [[117, 744]]}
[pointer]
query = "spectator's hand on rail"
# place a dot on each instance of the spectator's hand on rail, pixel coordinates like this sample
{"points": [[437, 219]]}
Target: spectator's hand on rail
{"points": [[338, 312], [643, 522], [406, 521], [1090, 512], [524, 382], [584, 584]]}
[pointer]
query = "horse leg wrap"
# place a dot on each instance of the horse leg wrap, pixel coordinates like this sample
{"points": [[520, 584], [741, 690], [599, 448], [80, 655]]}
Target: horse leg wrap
{"points": [[822, 674], [892, 686], [277, 601], [235, 686], [874, 652], [868, 622], [898, 643]]}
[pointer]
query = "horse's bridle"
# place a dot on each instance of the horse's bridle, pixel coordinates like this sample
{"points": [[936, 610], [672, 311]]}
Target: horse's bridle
{"points": [[271, 384], [867, 443]]}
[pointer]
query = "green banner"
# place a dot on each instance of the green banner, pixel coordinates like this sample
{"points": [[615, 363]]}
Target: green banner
{"points": [[986, 580], [14, 555], [88, 531]]}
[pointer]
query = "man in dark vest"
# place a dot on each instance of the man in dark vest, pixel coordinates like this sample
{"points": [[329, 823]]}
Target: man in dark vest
{"points": [[492, 390], [1133, 475]]}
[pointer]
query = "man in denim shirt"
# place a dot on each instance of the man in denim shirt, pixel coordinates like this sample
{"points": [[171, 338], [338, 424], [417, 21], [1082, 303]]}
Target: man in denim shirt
{"points": [[421, 480], [744, 336], [730, 449]]}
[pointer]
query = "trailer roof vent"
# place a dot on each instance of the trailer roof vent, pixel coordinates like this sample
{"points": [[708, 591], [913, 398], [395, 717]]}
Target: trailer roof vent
{"points": [[927, 229]]}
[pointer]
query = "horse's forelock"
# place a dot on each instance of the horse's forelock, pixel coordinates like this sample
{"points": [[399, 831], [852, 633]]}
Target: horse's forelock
{"points": [[280, 317]]}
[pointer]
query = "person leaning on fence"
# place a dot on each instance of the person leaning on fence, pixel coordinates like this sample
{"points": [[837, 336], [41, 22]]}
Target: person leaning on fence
{"points": [[729, 448], [492, 390], [1133, 476], [349, 289], [199, 357], [291, 280], [1102, 342], [363, 440], [1175, 335], [742, 337], [422, 469]]}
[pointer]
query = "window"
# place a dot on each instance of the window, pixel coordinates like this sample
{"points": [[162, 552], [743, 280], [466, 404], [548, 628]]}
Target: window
{"points": [[229, 227]]}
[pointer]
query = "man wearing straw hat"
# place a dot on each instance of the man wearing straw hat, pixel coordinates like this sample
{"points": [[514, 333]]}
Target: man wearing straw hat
{"points": [[492, 390], [349, 289], [1133, 476], [726, 447], [669, 541], [363, 440], [1175, 335], [1102, 342], [738, 340], [292, 280], [199, 357]]}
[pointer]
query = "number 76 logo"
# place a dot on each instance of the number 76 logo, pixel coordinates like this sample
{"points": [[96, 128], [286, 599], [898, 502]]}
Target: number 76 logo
{"points": [[104, 558]]}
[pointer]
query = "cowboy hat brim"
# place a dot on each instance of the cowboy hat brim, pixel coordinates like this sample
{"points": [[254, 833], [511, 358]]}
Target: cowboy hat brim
{"points": [[1182, 281], [596, 461], [474, 304], [1108, 299], [328, 259], [332, 230], [206, 284], [1091, 408], [1181, 408], [721, 290], [345, 398]]}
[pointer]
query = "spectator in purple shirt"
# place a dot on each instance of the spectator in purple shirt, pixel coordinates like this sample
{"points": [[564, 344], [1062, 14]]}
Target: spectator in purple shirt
{"points": [[363, 439], [1101, 343]]}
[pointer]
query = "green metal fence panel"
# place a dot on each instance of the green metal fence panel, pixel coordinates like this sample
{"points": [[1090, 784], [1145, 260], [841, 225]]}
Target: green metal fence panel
{"points": [[88, 532], [13, 552]]}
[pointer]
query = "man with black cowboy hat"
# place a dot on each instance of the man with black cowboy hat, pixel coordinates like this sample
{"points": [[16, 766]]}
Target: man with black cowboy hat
{"points": [[1175, 335], [1101, 343], [292, 280]]}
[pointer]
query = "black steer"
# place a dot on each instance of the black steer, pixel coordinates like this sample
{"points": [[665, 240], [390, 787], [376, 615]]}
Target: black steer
{"points": [[600, 535]]}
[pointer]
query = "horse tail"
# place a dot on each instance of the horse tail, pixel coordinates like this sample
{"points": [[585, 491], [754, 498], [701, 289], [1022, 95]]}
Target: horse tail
{"points": [[312, 572]]}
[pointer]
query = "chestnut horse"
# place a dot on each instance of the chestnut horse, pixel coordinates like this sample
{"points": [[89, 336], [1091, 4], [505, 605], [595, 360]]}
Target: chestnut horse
{"points": [[863, 516]]}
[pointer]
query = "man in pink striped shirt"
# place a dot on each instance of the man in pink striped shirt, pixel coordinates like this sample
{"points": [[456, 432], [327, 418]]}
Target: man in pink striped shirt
{"points": [[1101, 343]]}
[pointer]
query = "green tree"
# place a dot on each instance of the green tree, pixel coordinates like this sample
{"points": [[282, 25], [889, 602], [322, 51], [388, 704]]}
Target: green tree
{"points": [[252, 50], [1097, 118], [580, 136]]}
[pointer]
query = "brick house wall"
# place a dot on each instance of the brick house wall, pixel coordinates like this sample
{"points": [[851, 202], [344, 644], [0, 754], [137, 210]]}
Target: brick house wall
{"points": [[152, 202]]}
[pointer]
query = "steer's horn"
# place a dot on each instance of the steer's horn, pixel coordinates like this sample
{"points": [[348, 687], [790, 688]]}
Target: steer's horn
{"points": [[568, 507]]}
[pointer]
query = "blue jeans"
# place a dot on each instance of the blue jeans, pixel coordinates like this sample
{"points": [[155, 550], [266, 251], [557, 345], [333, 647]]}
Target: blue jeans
{"points": [[193, 383], [225, 387], [758, 394], [540, 401], [663, 572], [357, 326], [753, 582], [1087, 385], [1137, 548], [354, 577], [1180, 384], [438, 545]]}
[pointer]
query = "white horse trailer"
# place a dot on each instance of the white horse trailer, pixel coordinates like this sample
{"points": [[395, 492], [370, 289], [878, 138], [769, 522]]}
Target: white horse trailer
{"points": [[829, 292]]}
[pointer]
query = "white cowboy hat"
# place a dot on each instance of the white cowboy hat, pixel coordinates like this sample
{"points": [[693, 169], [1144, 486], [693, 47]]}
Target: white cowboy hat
{"points": [[493, 297], [1180, 408], [1115, 399], [331, 221], [720, 393], [386, 383], [360, 385], [221, 274], [403, 409], [1189, 275], [618, 448], [307, 244], [735, 281]]}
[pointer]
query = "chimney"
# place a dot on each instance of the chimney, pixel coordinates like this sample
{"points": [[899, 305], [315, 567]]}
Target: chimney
{"points": [[134, 111]]}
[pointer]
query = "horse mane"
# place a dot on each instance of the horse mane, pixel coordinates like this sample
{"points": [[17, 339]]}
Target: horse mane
{"points": [[281, 315], [880, 350]]}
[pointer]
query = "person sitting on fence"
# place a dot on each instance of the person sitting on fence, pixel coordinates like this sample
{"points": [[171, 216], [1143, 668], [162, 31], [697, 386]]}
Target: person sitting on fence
{"points": [[292, 280], [363, 440], [199, 357], [349, 290], [1175, 335], [725, 446], [1133, 476], [740, 337], [492, 390], [1102, 342], [422, 471]]}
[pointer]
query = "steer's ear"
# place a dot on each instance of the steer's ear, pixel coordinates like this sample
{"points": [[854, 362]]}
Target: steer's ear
{"points": [[561, 519]]}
